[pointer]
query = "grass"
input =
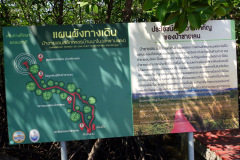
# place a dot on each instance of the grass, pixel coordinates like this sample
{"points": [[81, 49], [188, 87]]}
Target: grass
{"points": [[205, 113]]}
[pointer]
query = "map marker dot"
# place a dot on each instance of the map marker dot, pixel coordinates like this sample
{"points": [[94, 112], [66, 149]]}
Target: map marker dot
{"points": [[81, 125], [40, 74], [40, 57], [69, 99]]}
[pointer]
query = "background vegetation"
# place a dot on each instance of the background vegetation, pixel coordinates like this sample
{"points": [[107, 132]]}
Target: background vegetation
{"points": [[63, 12]]}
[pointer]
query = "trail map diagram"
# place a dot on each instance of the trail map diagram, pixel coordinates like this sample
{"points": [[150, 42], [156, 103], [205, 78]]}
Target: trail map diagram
{"points": [[82, 107]]}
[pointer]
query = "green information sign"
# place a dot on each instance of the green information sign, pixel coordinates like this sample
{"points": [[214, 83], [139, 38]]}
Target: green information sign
{"points": [[79, 82], [67, 82]]}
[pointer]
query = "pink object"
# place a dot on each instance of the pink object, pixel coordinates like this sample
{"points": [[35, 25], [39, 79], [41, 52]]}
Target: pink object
{"points": [[181, 124], [40, 74]]}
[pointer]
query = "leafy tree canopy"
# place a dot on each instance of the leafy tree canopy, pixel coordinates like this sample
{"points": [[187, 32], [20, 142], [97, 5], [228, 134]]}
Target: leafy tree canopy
{"points": [[178, 12], [184, 12]]}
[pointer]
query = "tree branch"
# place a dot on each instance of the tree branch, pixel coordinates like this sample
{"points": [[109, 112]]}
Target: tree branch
{"points": [[95, 148]]}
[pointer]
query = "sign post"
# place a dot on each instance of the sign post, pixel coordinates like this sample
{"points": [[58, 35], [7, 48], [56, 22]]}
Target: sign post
{"points": [[63, 150], [190, 146]]}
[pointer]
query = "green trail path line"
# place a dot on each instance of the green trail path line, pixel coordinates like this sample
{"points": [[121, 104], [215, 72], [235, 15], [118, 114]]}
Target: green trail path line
{"points": [[73, 95]]}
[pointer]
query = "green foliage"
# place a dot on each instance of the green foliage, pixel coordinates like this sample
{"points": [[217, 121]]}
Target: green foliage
{"points": [[31, 86], [92, 100], [95, 9], [42, 81], [61, 84], [182, 22], [84, 96], [161, 10], [194, 19], [82, 4], [34, 69], [196, 12], [44, 85], [75, 116], [77, 107], [78, 90], [182, 12], [58, 91], [38, 92], [47, 95], [31, 12], [63, 96], [71, 87], [171, 18], [53, 90], [89, 117], [148, 4], [220, 11], [87, 109], [69, 110], [50, 83]]}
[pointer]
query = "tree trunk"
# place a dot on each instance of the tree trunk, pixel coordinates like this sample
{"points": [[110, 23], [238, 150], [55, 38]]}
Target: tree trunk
{"points": [[109, 11], [127, 11], [60, 11]]}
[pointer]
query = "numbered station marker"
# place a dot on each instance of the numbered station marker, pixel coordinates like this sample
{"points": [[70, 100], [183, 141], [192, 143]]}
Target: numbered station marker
{"points": [[81, 125], [69, 99], [40, 74], [40, 57]]}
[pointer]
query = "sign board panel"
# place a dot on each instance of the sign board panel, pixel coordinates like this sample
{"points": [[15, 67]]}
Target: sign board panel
{"points": [[80, 82], [192, 74]]}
